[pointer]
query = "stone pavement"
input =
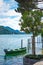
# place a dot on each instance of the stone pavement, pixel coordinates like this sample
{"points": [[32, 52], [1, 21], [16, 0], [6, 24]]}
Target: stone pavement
{"points": [[39, 63]]}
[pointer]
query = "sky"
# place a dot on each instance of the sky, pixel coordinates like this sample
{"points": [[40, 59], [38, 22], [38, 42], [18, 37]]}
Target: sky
{"points": [[8, 16]]}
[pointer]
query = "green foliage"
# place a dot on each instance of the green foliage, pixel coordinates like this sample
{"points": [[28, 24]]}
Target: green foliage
{"points": [[25, 5], [31, 22], [38, 57], [27, 23]]}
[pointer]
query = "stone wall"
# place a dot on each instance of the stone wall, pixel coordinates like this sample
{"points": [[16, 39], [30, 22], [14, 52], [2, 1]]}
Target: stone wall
{"points": [[27, 61]]}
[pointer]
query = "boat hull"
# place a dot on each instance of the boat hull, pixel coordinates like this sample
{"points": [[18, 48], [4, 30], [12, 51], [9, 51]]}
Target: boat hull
{"points": [[15, 52]]}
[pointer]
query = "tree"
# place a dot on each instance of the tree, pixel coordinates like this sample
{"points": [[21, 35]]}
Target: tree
{"points": [[30, 21]]}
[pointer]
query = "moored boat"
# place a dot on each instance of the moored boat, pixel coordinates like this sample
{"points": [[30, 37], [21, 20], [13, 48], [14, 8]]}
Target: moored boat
{"points": [[15, 52]]}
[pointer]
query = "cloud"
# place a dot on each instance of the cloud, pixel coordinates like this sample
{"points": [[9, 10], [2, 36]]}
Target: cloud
{"points": [[4, 7], [8, 16], [11, 19], [13, 23]]}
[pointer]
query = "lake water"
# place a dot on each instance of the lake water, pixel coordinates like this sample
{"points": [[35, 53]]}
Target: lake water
{"points": [[14, 42]]}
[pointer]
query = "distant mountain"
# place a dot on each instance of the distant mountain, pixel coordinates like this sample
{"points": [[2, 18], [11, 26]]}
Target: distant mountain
{"points": [[8, 30]]}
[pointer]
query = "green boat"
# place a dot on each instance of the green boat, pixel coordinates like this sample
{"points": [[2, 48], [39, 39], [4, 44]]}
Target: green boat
{"points": [[15, 52]]}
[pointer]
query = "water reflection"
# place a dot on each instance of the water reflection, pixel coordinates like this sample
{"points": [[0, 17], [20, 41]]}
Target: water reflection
{"points": [[12, 60]]}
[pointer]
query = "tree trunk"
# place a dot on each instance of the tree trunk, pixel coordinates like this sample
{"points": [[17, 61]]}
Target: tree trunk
{"points": [[33, 45]]}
